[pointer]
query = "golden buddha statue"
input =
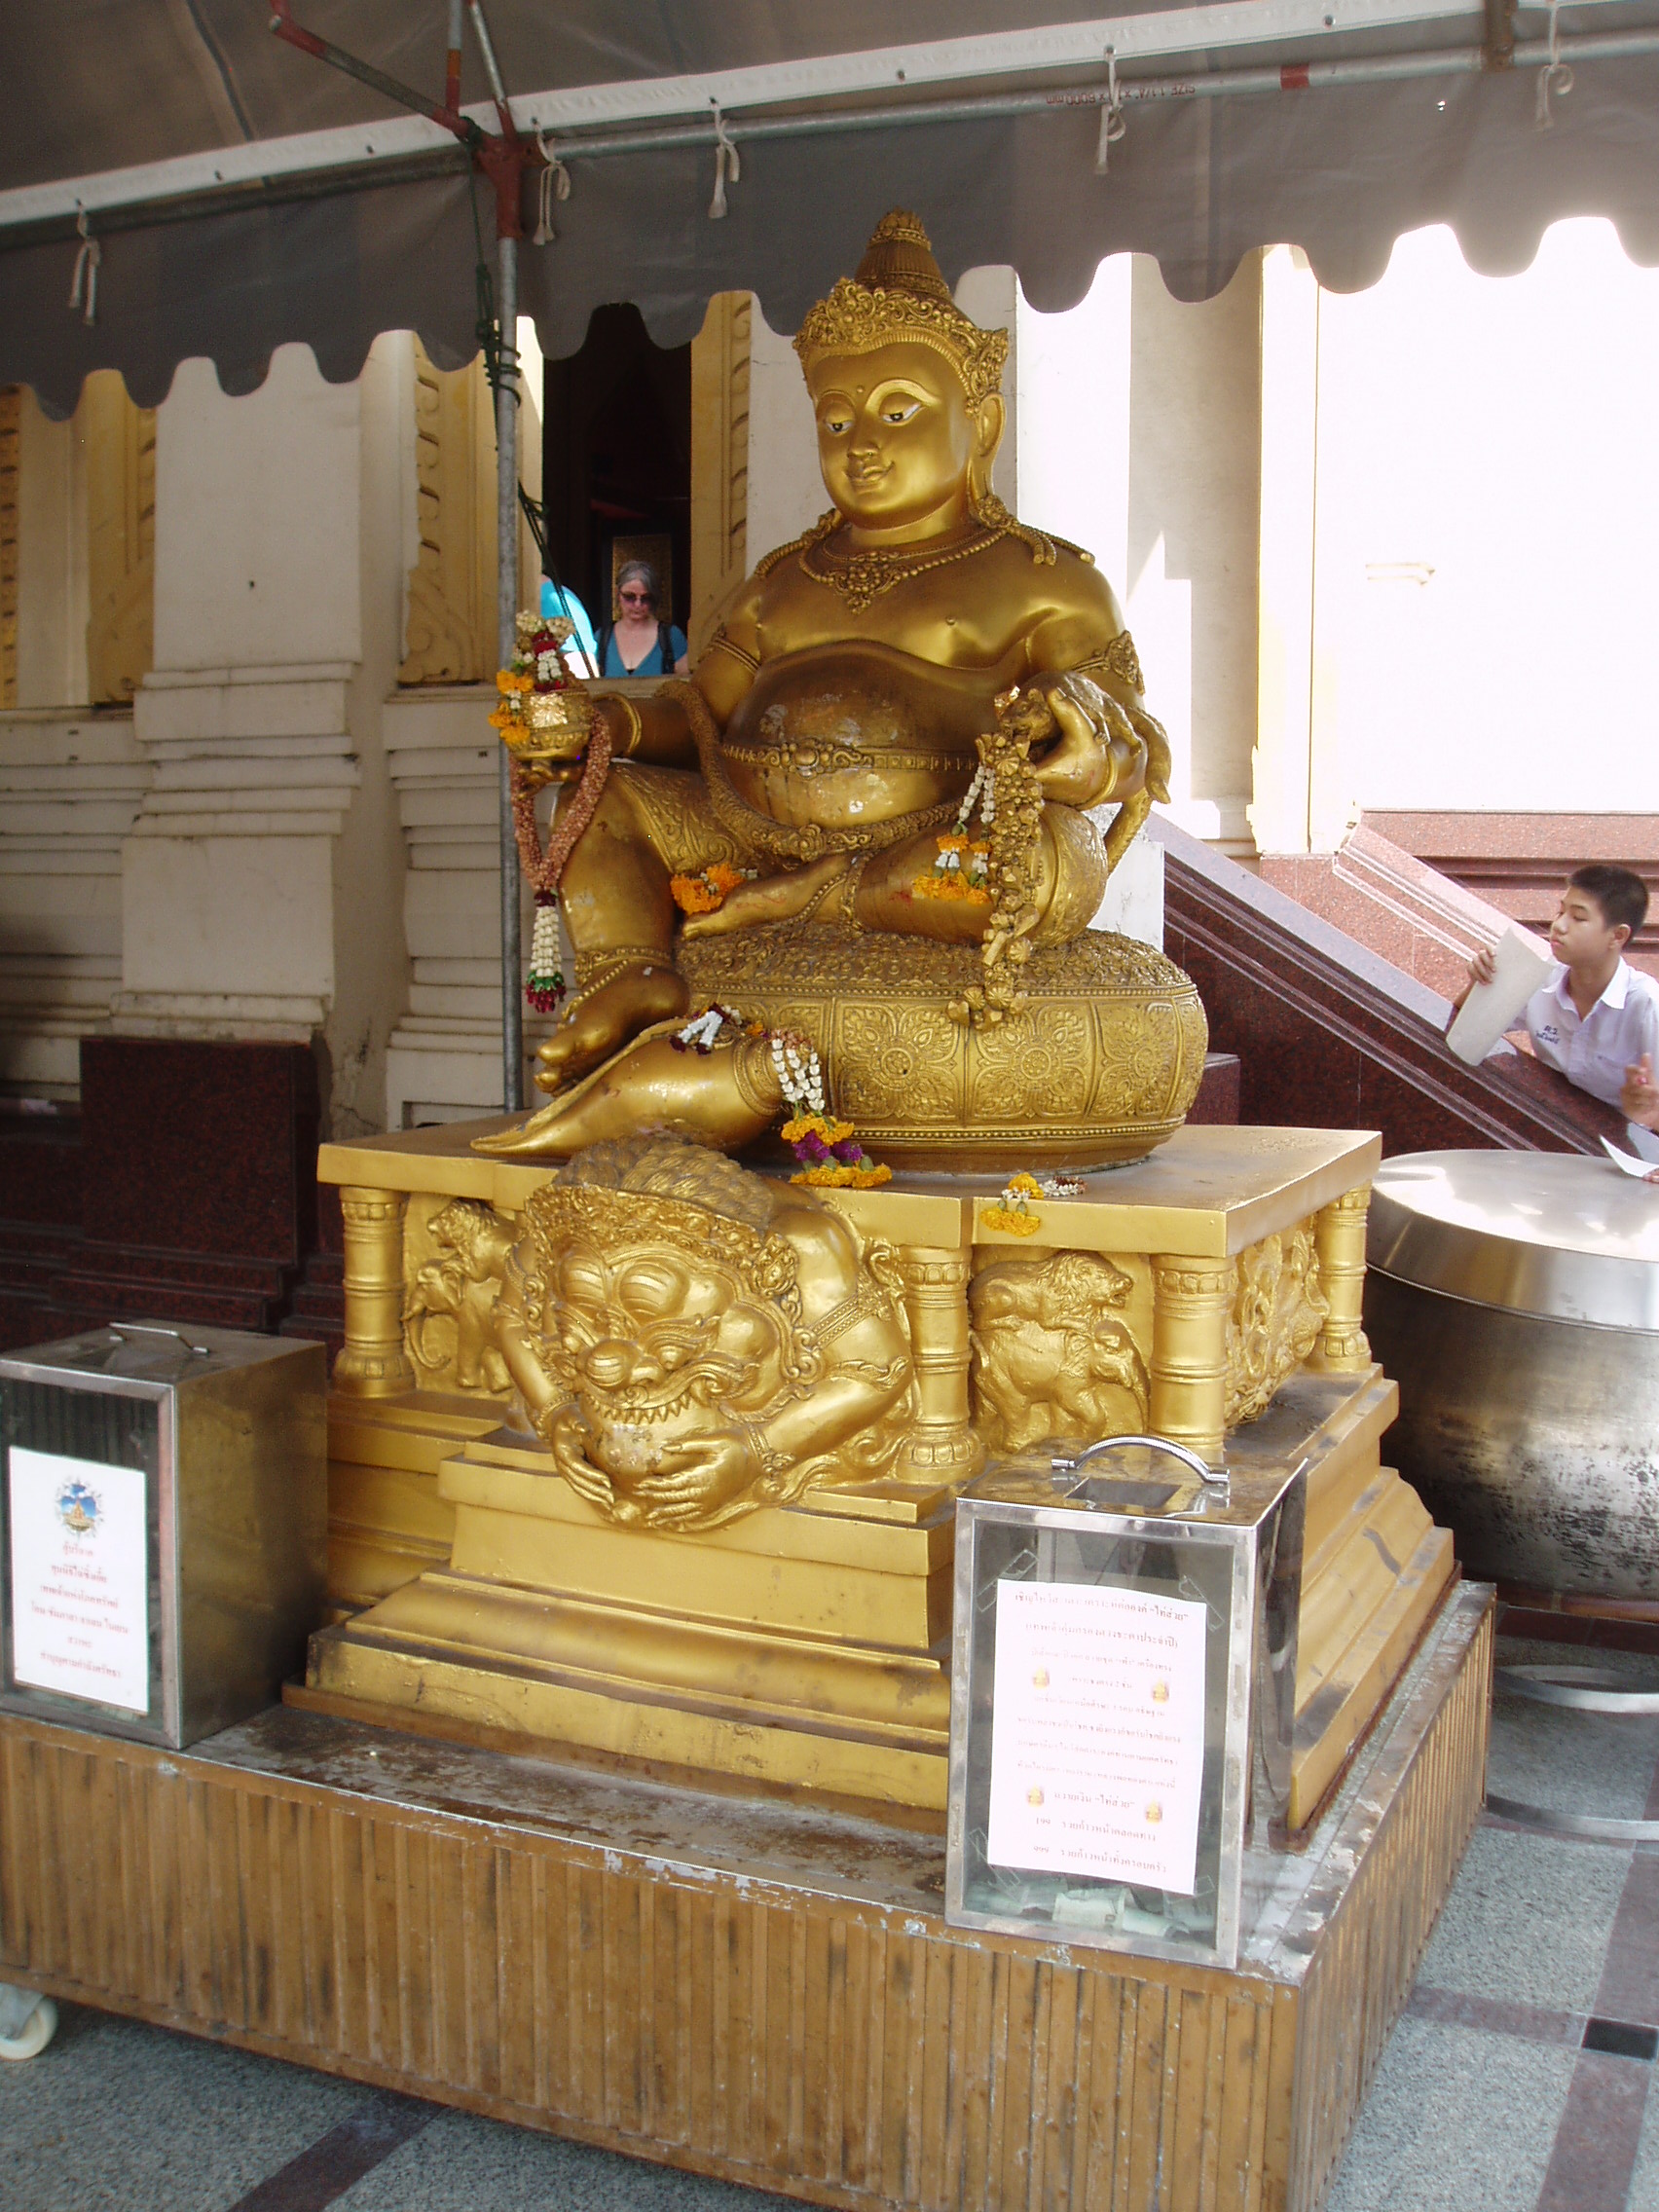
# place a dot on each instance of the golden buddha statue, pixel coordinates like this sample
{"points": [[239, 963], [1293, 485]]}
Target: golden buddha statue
{"points": [[696, 1433], [918, 658]]}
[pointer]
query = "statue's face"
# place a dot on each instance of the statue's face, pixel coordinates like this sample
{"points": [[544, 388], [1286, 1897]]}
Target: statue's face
{"points": [[895, 436], [661, 1342]]}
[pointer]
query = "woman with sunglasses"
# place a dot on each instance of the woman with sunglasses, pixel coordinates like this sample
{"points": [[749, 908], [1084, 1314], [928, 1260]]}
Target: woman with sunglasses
{"points": [[639, 643]]}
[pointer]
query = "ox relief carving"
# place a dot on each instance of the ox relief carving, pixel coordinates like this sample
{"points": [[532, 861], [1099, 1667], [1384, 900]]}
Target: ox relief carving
{"points": [[692, 1340], [1053, 1355], [1279, 1309], [453, 1282]]}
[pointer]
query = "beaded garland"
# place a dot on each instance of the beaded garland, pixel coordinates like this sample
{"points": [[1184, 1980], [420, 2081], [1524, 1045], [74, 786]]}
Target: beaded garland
{"points": [[539, 667]]}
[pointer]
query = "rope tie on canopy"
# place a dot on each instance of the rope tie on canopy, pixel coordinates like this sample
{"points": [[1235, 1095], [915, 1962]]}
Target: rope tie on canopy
{"points": [[1556, 76], [85, 277], [554, 183], [728, 168], [1114, 123]]}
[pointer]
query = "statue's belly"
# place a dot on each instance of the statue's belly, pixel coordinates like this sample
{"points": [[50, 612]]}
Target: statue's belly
{"points": [[859, 736]]}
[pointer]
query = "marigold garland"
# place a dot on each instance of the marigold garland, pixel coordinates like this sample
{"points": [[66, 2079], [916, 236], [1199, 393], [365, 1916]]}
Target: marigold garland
{"points": [[960, 870], [1014, 1217], [829, 1153], [706, 893], [831, 1156]]}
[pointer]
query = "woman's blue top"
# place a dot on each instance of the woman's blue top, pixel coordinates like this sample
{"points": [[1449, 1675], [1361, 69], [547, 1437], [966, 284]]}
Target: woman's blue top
{"points": [[653, 663]]}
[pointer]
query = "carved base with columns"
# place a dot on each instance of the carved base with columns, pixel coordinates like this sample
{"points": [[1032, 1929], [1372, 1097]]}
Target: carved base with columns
{"points": [[1209, 1293]]}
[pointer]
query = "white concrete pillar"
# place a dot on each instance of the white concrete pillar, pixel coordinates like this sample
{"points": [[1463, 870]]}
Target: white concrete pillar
{"points": [[1193, 520], [1281, 770], [262, 883], [991, 297]]}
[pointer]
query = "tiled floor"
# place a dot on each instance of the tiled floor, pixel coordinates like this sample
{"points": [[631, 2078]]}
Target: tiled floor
{"points": [[1517, 2082]]}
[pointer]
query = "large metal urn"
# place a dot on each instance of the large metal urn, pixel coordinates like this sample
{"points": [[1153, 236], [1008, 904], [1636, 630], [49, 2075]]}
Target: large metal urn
{"points": [[1515, 1298]]}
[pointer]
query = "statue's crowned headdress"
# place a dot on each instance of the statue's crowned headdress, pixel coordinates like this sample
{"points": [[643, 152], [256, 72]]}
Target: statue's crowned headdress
{"points": [[898, 294]]}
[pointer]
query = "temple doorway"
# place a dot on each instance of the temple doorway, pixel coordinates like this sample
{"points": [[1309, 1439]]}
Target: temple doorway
{"points": [[616, 464]]}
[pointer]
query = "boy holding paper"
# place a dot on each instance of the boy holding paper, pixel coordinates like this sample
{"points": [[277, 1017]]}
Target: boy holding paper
{"points": [[1597, 1020]]}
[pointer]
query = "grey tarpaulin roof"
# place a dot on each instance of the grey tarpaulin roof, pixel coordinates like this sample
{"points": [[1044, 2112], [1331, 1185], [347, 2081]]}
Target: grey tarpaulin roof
{"points": [[95, 85]]}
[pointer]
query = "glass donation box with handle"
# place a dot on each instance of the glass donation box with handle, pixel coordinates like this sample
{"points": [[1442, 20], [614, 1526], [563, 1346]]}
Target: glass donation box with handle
{"points": [[164, 1510], [1122, 1696]]}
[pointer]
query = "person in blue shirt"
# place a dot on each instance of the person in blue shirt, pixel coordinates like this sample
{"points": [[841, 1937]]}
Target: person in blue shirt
{"points": [[559, 599], [640, 643]]}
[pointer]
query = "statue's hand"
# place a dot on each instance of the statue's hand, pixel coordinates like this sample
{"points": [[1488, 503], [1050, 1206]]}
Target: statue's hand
{"points": [[566, 1438], [1097, 754], [696, 1478]]}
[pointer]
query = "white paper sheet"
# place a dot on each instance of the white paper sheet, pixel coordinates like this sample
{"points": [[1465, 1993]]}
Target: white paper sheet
{"points": [[1097, 1744], [1521, 964], [80, 1579], [1643, 1170]]}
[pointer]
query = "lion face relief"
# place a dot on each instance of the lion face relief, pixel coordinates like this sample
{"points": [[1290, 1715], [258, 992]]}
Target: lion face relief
{"points": [[656, 1343], [694, 1341]]}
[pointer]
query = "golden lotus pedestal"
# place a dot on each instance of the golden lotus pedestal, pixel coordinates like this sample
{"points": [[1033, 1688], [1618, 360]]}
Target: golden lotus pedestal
{"points": [[806, 1650]]}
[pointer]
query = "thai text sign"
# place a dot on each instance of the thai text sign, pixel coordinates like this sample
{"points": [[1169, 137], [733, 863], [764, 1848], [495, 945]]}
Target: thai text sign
{"points": [[80, 1578], [1097, 1756]]}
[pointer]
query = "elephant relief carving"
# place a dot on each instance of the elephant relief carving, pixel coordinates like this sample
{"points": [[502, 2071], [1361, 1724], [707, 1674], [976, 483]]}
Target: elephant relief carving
{"points": [[449, 1308]]}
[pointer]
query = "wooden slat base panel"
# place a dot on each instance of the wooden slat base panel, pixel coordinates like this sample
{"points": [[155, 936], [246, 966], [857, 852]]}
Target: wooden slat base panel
{"points": [[815, 2041]]}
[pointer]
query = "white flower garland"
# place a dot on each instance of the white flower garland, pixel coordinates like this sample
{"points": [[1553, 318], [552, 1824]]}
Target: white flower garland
{"points": [[800, 1076]]}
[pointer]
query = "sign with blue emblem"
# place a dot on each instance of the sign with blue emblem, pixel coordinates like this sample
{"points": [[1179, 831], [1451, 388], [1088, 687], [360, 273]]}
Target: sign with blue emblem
{"points": [[80, 1578]]}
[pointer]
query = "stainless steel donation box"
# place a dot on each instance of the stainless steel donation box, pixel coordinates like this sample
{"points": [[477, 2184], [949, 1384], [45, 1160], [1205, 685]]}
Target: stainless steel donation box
{"points": [[164, 1510], [1122, 1696]]}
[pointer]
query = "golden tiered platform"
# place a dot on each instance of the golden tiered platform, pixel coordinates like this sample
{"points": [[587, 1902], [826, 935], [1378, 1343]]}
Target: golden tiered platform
{"points": [[806, 1649], [703, 1923]]}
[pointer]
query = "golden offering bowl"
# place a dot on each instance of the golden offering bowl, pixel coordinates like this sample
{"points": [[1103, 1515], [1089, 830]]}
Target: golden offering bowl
{"points": [[555, 730], [1101, 1066]]}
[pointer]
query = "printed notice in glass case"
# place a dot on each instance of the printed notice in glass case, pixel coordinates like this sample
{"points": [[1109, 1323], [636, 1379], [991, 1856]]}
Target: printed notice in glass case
{"points": [[80, 1578], [1122, 1697], [1097, 1760]]}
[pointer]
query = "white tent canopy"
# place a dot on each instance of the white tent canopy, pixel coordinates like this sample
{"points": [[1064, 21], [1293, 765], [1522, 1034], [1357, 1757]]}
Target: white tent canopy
{"points": [[242, 195]]}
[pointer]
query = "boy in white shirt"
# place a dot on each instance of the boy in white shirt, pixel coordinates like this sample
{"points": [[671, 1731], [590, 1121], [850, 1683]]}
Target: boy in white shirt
{"points": [[1597, 1020]]}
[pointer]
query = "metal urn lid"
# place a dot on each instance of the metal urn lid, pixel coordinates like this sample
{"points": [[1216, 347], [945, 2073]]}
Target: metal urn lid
{"points": [[1564, 1236]]}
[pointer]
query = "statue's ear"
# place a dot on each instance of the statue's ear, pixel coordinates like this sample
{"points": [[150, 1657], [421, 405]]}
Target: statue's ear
{"points": [[989, 424]]}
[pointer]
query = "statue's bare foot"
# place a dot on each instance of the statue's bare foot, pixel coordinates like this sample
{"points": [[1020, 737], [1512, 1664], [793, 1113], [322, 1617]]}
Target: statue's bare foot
{"points": [[773, 899], [725, 1099], [600, 1024]]}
